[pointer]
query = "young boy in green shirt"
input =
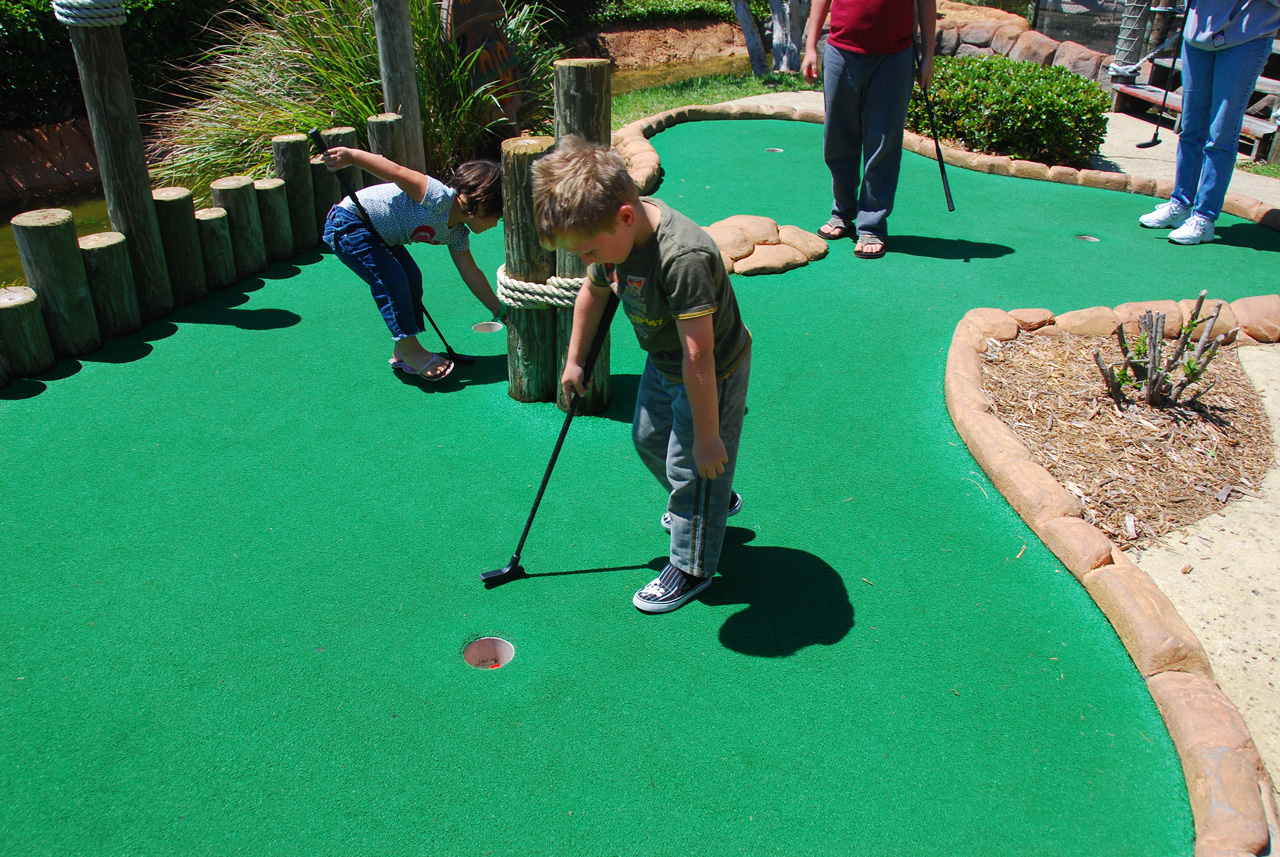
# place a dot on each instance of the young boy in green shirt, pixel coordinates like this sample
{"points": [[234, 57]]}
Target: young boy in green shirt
{"points": [[673, 286]]}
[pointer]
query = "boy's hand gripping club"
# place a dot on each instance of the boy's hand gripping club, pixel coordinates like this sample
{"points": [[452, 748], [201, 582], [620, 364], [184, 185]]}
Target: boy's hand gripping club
{"points": [[320, 144]]}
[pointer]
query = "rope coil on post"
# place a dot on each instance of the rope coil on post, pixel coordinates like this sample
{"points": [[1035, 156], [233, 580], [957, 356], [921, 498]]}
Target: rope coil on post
{"points": [[90, 13], [557, 291]]}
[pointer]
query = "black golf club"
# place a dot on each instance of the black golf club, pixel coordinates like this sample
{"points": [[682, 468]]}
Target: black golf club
{"points": [[937, 147], [1168, 82], [314, 134], [514, 569]]}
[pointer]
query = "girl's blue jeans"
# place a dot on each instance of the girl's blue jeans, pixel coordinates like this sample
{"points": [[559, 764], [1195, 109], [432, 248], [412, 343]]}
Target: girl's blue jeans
{"points": [[1216, 89], [393, 277], [663, 435]]}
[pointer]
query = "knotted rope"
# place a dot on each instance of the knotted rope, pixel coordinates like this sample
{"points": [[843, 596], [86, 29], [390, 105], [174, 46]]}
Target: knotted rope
{"points": [[90, 13], [557, 291]]}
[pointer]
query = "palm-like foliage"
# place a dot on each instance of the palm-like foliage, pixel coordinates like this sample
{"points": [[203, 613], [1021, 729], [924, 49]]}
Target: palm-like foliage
{"points": [[305, 63]]}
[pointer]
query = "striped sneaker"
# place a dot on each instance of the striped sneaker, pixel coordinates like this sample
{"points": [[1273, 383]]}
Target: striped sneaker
{"points": [[669, 590], [735, 506]]}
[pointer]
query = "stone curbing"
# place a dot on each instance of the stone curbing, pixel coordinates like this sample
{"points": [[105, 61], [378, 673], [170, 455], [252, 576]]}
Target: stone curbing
{"points": [[1228, 785]]}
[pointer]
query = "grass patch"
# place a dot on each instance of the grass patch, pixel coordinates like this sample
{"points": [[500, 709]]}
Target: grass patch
{"points": [[710, 89], [1271, 171]]}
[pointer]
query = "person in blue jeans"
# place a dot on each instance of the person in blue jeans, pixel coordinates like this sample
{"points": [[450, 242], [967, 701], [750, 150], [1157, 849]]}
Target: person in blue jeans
{"points": [[671, 281], [867, 70], [1225, 47], [413, 207]]}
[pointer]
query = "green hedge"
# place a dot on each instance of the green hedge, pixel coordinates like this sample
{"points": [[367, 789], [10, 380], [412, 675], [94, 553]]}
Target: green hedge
{"points": [[574, 15], [1004, 107], [40, 83]]}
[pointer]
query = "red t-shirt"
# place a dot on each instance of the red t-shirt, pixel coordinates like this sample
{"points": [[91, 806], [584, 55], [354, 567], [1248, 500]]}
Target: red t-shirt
{"points": [[872, 26]]}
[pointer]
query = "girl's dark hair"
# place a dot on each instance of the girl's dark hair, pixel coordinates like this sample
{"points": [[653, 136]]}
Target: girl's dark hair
{"points": [[479, 187]]}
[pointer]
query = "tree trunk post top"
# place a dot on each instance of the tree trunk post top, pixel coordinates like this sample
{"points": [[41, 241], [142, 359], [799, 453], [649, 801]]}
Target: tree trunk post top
{"points": [[176, 210], [237, 195], [397, 62], [23, 332], [115, 302], [291, 155], [583, 95], [50, 254], [526, 258], [387, 138]]}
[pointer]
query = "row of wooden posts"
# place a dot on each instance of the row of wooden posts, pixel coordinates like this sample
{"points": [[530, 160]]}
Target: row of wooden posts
{"points": [[84, 290]]}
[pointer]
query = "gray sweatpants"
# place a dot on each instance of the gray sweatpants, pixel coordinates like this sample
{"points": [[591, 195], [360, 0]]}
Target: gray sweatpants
{"points": [[663, 435], [866, 98]]}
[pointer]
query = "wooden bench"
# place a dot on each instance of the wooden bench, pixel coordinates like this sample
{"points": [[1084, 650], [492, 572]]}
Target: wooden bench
{"points": [[1252, 134]]}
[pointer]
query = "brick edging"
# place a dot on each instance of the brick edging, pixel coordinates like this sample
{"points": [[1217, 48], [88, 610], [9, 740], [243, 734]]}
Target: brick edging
{"points": [[1230, 790], [632, 142]]}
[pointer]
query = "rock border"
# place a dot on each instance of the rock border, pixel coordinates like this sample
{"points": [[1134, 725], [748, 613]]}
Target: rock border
{"points": [[1228, 785]]}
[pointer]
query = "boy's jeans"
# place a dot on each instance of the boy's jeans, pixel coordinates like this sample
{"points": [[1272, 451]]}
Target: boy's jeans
{"points": [[1216, 90], [393, 277], [663, 435]]}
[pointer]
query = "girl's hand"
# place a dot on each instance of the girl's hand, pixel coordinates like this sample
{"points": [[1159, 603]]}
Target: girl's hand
{"points": [[573, 380], [337, 157], [710, 456], [809, 65]]}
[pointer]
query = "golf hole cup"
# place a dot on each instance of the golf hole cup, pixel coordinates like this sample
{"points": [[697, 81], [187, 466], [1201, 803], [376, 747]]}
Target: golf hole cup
{"points": [[488, 653], [487, 326]]}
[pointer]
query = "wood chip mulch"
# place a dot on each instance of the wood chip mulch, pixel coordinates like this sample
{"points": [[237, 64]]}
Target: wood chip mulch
{"points": [[1140, 472]]}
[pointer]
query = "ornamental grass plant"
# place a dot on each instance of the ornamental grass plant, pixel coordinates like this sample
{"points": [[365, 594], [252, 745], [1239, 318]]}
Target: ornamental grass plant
{"points": [[296, 64], [1001, 106]]}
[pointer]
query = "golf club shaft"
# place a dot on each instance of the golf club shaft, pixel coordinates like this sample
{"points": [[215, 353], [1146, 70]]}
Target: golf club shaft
{"points": [[596, 344], [345, 183], [942, 168]]}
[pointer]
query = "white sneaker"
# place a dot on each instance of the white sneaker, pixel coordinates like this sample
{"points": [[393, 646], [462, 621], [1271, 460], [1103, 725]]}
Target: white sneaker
{"points": [[1197, 230], [1166, 216]]}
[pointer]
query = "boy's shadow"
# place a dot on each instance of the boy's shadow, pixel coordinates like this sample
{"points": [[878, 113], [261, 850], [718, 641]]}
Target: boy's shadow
{"points": [[794, 599]]}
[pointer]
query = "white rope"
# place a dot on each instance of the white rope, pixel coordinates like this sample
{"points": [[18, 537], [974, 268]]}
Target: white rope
{"points": [[90, 13], [557, 291]]}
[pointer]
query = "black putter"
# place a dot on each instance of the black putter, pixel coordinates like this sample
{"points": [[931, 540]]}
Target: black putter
{"points": [[937, 147], [1168, 82], [514, 569], [314, 134]]}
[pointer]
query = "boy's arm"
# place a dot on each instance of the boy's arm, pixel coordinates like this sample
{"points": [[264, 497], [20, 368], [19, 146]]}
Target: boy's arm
{"points": [[476, 280], [927, 15], [817, 17], [698, 342], [588, 308], [410, 181]]}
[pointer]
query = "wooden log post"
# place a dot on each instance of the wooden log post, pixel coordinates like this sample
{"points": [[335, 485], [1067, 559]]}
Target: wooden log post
{"points": [[394, 31], [583, 96], [346, 136], [51, 260], [327, 192], [237, 196], [23, 334], [531, 330], [176, 210], [215, 248], [115, 302], [291, 154], [386, 137], [277, 228], [117, 140]]}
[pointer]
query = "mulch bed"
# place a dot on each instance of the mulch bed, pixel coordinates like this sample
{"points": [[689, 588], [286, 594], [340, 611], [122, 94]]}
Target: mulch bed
{"points": [[1139, 471]]}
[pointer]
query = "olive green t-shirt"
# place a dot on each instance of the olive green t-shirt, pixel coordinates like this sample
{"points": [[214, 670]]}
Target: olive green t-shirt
{"points": [[677, 273]]}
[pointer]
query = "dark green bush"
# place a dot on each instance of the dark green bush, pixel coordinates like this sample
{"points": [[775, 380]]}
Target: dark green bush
{"points": [[574, 15], [1004, 107], [40, 83]]}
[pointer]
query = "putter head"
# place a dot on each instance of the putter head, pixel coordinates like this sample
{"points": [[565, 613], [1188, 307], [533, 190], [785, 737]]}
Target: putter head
{"points": [[464, 359], [510, 571]]}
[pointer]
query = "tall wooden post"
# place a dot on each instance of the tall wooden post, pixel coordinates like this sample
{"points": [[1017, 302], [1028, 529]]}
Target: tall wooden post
{"points": [[113, 118], [394, 30], [583, 95], [291, 154], [51, 259], [531, 330]]}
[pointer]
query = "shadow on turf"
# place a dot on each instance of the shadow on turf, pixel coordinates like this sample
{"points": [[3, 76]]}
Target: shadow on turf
{"points": [[491, 369], [947, 248]]}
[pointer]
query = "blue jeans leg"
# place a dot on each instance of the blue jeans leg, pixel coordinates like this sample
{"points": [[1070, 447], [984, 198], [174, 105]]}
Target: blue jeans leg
{"points": [[866, 97], [393, 277], [1216, 90], [663, 435]]}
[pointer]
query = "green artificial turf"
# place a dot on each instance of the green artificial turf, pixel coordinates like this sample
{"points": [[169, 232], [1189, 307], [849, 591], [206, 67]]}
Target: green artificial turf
{"points": [[241, 561]]}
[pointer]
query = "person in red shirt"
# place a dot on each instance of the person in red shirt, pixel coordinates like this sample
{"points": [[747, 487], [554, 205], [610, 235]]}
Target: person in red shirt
{"points": [[868, 66]]}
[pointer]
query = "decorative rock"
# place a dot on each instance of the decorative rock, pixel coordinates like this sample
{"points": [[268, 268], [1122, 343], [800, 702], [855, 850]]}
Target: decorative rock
{"points": [[1244, 206], [1051, 330], [1078, 59], [728, 262], [812, 246], [1064, 175], [807, 114], [732, 241], [1164, 188], [1259, 317], [1003, 39], [1033, 492], [1080, 546], [1095, 321], [1033, 47], [963, 395], [1128, 314], [989, 440], [1032, 319], [1270, 218], [1142, 185], [763, 230], [995, 323], [947, 38], [1154, 635], [770, 259], [1031, 170], [1104, 180], [1226, 323], [965, 50], [996, 165], [978, 33], [1103, 77]]}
